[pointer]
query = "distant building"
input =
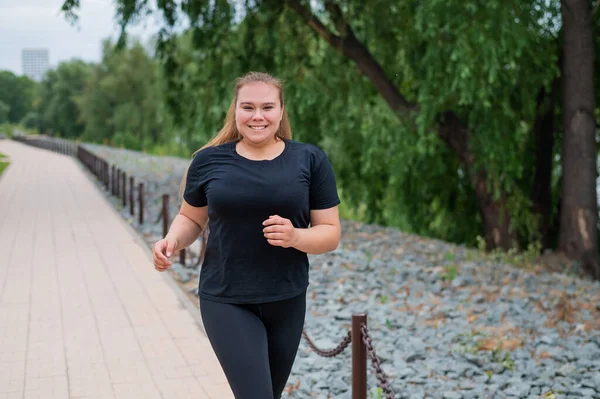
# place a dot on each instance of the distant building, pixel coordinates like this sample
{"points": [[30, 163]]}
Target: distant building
{"points": [[35, 63]]}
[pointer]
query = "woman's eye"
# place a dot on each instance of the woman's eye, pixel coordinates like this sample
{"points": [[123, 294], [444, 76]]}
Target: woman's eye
{"points": [[268, 107], [248, 108]]}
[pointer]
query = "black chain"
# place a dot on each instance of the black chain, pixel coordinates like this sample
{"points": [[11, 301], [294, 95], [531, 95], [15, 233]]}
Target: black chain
{"points": [[383, 382], [329, 353]]}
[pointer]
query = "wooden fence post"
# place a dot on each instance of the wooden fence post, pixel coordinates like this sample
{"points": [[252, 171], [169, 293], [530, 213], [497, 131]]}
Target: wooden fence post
{"points": [[359, 358]]}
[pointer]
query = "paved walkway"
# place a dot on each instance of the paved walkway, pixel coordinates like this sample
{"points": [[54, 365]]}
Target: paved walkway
{"points": [[83, 313]]}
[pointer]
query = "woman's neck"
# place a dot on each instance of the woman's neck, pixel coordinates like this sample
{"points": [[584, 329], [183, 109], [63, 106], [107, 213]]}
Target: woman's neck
{"points": [[262, 151]]}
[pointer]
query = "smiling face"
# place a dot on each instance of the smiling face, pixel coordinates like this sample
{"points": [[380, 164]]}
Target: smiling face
{"points": [[258, 112]]}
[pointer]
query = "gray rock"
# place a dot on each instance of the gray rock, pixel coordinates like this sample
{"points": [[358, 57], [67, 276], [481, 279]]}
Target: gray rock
{"points": [[587, 392], [589, 351], [339, 386], [467, 385], [566, 370], [416, 395], [451, 395], [405, 372], [416, 356], [518, 389]]}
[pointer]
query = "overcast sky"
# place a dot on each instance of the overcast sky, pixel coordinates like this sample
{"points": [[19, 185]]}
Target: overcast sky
{"points": [[38, 23]]}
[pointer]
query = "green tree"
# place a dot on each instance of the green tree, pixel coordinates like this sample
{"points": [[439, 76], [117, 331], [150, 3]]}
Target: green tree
{"points": [[17, 92], [121, 102], [4, 111], [57, 106]]}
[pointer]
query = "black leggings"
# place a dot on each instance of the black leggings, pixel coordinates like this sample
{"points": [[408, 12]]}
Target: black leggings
{"points": [[255, 344]]}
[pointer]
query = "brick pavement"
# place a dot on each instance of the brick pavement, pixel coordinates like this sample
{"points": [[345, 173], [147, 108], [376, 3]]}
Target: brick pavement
{"points": [[83, 313]]}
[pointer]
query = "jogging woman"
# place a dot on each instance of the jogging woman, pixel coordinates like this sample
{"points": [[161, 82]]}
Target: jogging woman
{"points": [[268, 202]]}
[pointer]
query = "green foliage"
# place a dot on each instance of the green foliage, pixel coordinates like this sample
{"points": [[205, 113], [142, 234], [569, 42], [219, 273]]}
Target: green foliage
{"points": [[522, 259], [450, 272], [6, 129], [3, 165], [121, 103], [31, 120], [378, 393], [503, 357], [525, 259], [349, 212], [17, 93], [4, 111], [486, 63], [57, 110]]}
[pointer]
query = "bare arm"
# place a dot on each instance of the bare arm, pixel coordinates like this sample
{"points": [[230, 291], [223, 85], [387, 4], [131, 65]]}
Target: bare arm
{"points": [[187, 225], [323, 235]]}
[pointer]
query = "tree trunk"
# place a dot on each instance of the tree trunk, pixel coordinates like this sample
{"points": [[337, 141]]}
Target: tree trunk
{"points": [[494, 212], [496, 218], [579, 209], [541, 196]]}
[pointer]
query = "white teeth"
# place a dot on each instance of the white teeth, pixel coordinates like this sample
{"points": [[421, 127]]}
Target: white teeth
{"points": [[258, 127]]}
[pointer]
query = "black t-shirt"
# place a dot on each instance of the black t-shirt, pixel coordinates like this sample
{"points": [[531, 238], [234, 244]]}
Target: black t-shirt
{"points": [[240, 266]]}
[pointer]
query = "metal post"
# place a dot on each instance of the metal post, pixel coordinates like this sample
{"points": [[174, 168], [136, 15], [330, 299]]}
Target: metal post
{"points": [[119, 179], [115, 181], [165, 214], [182, 257], [106, 181], [124, 187], [131, 210], [141, 200], [359, 358], [112, 179]]}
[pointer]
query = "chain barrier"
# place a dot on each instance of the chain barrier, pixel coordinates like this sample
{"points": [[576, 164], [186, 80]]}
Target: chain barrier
{"points": [[329, 353], [383, 382]]}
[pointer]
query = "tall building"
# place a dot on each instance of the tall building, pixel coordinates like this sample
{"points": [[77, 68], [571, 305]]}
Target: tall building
{"points": [[35, 63]]}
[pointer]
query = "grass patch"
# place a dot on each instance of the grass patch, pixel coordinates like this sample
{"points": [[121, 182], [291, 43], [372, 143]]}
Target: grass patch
{"points": [[3, 165], [527, 258], [6, 129], [450, 272]]}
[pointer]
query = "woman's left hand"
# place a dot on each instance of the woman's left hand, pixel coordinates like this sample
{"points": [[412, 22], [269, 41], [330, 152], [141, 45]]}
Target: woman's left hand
{"points": [[279, 231]]}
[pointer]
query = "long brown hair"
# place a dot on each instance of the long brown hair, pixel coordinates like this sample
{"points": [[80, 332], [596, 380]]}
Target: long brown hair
{"points": [[229, 131]]}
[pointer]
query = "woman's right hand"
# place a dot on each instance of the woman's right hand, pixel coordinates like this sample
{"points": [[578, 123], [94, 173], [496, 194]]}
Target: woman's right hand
{"points": [[162, 251]]}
